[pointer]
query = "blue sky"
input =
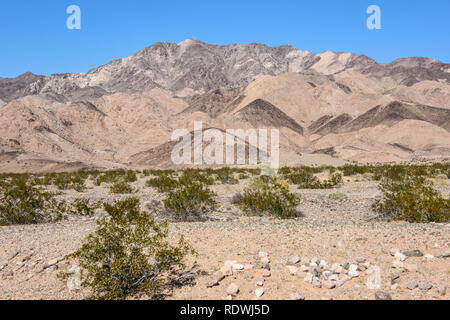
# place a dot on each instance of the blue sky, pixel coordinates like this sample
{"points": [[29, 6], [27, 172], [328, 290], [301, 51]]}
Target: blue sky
{"points": [[34, 36]]}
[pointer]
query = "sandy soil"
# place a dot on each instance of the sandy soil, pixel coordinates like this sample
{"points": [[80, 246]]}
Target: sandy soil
{"points": [[337, 231]]}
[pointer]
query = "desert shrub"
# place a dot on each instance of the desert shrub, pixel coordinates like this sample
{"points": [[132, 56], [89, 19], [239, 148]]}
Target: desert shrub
{"points": [[306, 180], [412, 199], [336, 196], [84, 207], [226, 176], [269, 196], [190, 201], [162, 183], [193, 175], [121, 188], [23, 203], [128, 254]]}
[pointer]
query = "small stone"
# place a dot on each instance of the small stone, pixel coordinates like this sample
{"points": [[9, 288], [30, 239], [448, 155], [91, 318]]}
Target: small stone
{"points": [[238, 266], [333, 277], [292, 270], [381, 295], [446, 254], [74, 278], [329, 284], [226, 270], [316, 283], [394, 286], [428, 256], [413, 253], [400, 256], [441, 289], [397, 264], [233, 289], [260, 282], [259, 292], [304, 268], [425, 286], [262, 254], [294, 260], [346, 265], [297, 296], [393, 251], [394, 276], [265, 260], [411, 285], [374, 280], [323, 264], [360, 260], [266, 274], [248, 266], [212, 282], [308, 278], [230, 263]]}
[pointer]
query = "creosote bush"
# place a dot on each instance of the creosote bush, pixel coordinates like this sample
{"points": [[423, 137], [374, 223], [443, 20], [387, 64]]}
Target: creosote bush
{"points": [[190, 201], [163, 183], [84, 207], [121, 188], [23, 203], [411, 198], [266, 195], [128, 254]]}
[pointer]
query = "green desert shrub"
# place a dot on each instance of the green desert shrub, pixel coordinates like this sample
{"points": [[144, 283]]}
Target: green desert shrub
{"points": [[265, 195], [162, 183], [226, 176], [190, 201], [412, 199], [194, 175], [84, 207], [23, 203], [306, 180], [121, 188], [129, 254]]}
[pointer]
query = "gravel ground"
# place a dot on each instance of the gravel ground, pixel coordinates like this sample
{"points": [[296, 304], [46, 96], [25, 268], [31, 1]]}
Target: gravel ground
{"points": [[337, 231]]}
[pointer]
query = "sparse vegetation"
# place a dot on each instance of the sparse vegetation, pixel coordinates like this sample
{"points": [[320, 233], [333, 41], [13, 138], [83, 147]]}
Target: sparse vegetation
{"points": [[190, 201], [128, 254], [411, 198], [266, 195]]}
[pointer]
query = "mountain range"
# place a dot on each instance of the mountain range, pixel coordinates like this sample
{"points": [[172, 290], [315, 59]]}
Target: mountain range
{"points": [[331, 108]]}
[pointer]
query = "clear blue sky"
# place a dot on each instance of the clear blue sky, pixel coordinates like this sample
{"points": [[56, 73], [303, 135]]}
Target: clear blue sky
{"points": [[34, 36]]}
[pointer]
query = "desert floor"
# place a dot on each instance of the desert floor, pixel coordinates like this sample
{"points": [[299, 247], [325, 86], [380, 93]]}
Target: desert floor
{"points": [[337, 231]]}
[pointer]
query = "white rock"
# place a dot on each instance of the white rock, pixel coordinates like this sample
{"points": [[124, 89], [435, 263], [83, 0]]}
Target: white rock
{"points": [[397, 264], [304, 268], [259, 292], [226, 271], [400, 256], [394, 251], [323, 264], [292, 270], [265, 260], [230, 263], [238, 266], [297, 296], [373, 282], [262, 254], [233, 289], [74, 278], [260, 282], [308, 278], [428, 256]]}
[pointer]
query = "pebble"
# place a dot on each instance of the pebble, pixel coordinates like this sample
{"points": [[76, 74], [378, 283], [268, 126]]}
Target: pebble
{"points": [[441, 289], [294, 260], [400, 256], [428, 256], [397, 264], [382, 295], [230, 263], [360, 260], [308, 278], [260, 282], [411, 285], [413, 253], [297, 296], [266, 274], [233, 289], [393, 251], [329, 284], [425, 286], [238, 266], [259, 292], [292, 270], [316, 283], [394, 276]]}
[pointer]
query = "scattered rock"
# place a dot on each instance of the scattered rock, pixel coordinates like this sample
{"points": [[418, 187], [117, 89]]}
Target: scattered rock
{"points": [[428, 256], [413, 253], [316, 283], [400, 256], [259, 292], [425, 286], [238, 266], [441, 289], [394, 276], [412, 285], [266, 274], [373, 282], [297, 296], [382, 295], [329, 284], [293, 260], [292, 270], [308, 278], [230, 263], [393, 251], [233, 290], [260, 282]]}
